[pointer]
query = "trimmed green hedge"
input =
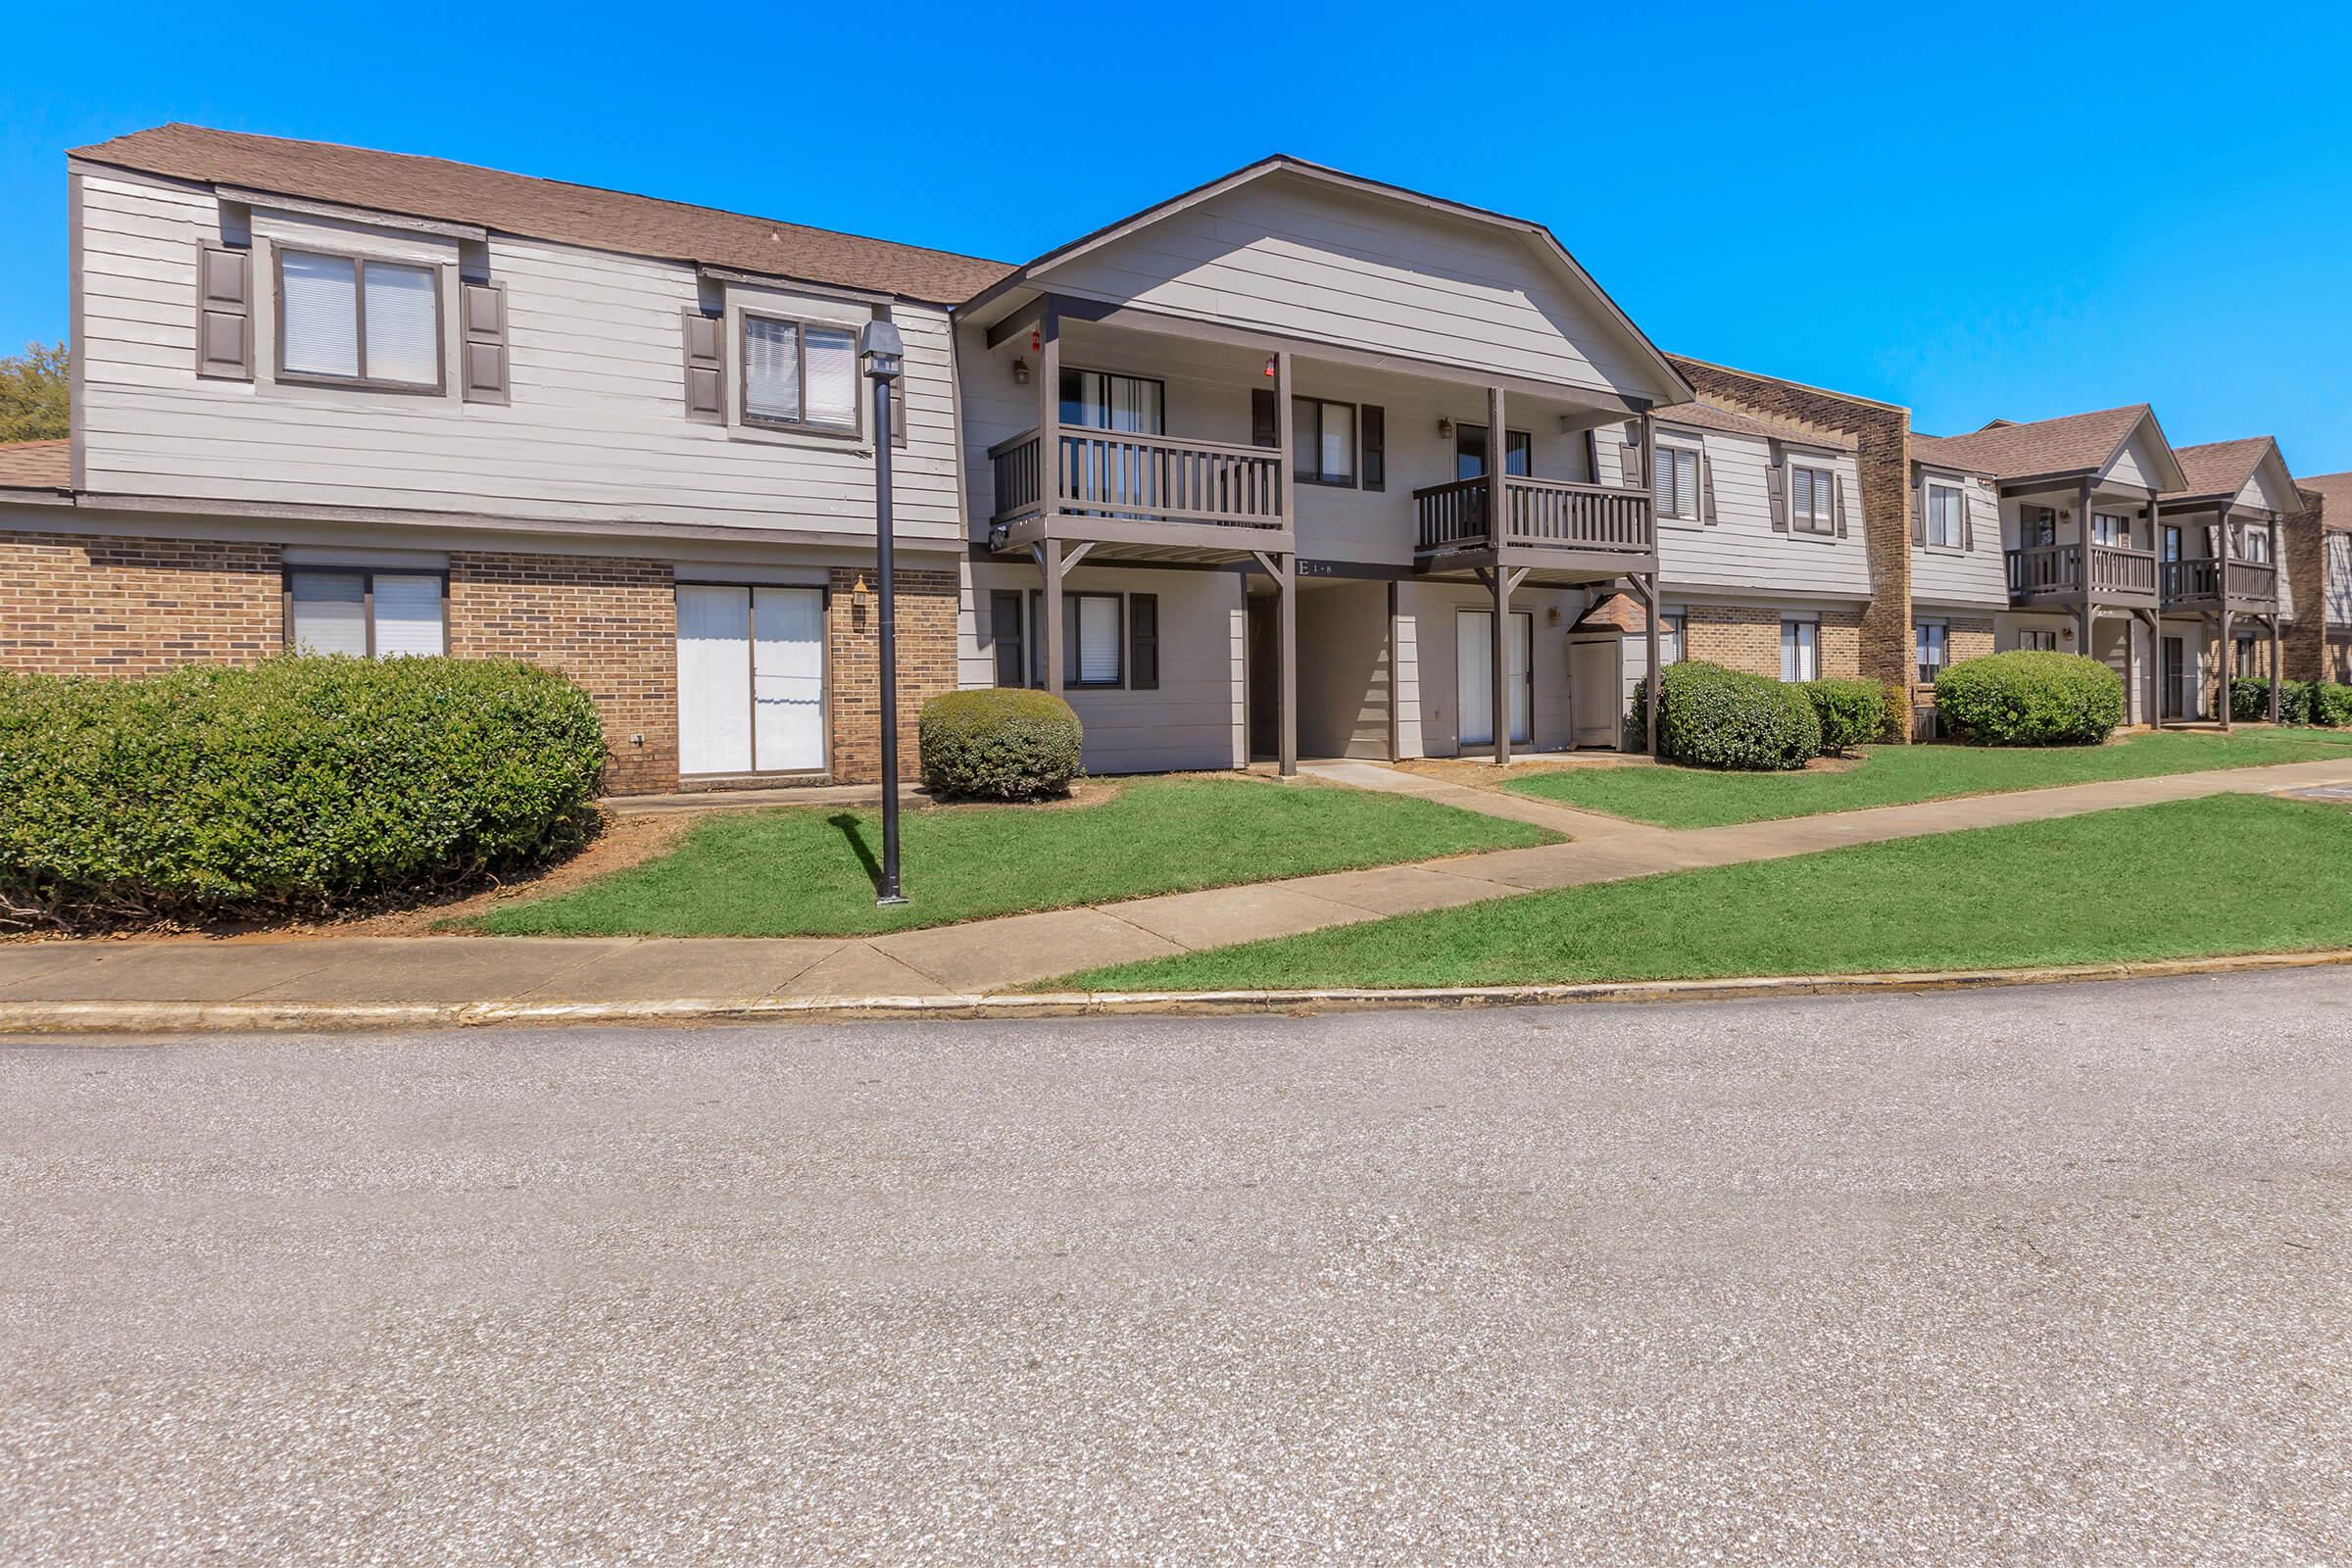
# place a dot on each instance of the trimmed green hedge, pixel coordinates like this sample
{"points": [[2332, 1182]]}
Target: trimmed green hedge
{"points": [[1852, 711], [999, 745], [1710, 716], [2331, 703], [2030, 698], [302, 786], [2299, 701]]}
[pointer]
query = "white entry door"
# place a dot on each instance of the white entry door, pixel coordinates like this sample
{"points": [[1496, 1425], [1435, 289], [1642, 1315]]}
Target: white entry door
{"points": [[751, 679], [1597, 692], [1474, 666]]}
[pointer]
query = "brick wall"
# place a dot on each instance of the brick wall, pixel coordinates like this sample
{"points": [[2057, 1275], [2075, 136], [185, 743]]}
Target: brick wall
{"points": [[1967, 639], [609, 623], [86, 605], [1883, 436], [925, 606], [1747, 637], [2302, 541]]}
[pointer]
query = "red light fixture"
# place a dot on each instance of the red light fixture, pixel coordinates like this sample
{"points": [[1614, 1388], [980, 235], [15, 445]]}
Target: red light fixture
{"points": [[1269, 365], [1037, 341]]}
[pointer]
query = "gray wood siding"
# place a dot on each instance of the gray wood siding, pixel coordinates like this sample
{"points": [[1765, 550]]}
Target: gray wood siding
{"points": [[1291, 255], [2338, 589], [1741, 553], [1975, 577], [595, 430]]}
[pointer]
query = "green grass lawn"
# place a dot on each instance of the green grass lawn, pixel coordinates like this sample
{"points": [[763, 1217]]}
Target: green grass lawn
{"points": [[2226, 874], [1894, 775], [808, 871]]}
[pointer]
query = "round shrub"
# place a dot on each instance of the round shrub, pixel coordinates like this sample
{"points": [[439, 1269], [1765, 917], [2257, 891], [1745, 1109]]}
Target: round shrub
{"points": [[2331, 703], [999, 745], [1710, 716], [2250, 701], [301, 786], [1850, 711], [2030, 698]]}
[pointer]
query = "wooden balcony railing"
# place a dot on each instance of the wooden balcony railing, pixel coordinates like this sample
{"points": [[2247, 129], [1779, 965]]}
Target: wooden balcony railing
{"points": [[1540, 513], [1116, 473], [2056, 570], [2251, 582]]}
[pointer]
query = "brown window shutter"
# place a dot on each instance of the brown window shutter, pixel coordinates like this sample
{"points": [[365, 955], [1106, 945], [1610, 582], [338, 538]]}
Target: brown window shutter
{"points": [[483, 357], [1004, 630], [1968, 519], [1373, 430], [1838, 501], [1265, 419], [1143, 642], [1592, 456], [898, 410], [706, 367], [1775, 490], [1629, 467], [224, 312], [1919, 512], [1706, 490]]}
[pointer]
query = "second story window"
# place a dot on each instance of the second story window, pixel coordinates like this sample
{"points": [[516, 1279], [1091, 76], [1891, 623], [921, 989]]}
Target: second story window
{"points": [[1676, 483], [800, 375], [1324, 437], [1812, 501], [345, 318], [2106, 529], [1470, 452], [2038, 525], [2251, 542], [1944, 508]]}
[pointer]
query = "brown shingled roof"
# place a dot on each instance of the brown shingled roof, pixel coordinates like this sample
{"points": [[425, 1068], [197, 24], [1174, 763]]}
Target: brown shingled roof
{"points": [[1937, 452], [2334, 491], [1710, 416], [2220, 468], [36, 464], [2068, 444], [546, 209], [1619, 612]]}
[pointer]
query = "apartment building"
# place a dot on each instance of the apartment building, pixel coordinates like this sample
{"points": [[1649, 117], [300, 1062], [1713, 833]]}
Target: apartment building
{"points": [[1292, 464], [2317, 554]]}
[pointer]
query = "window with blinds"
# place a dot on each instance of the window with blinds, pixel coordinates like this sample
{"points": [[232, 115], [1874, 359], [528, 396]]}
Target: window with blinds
{"points": [[800, 375], [1800, 651], [1812, 502], [1675, 482], [1943, 515], [365, 614], [365, 322]]}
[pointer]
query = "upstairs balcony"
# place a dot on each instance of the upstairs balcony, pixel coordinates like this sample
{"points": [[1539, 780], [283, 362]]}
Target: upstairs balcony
{"points": [[2198, 584], [1141, 496], [1547, 525], [2052, 576]]}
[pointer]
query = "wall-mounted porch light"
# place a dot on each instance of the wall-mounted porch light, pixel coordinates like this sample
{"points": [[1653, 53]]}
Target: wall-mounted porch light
{"points": [[1445, 428], [1020, 371]]}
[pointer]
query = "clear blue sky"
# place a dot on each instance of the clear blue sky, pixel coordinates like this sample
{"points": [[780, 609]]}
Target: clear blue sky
{"points": [[1980, 210]]}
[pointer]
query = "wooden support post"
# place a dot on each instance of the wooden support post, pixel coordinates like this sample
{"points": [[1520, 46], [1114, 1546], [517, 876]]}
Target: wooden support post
{"points": [[2275, 680], [1497, 461], [2089, 608], [2221, 588], [2228, 660], [1286, 743], [1050, 470], [1649, 586], [1049, 608], [2155, 697]]}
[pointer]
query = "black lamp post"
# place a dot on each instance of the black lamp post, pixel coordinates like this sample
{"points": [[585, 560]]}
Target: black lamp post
{"points": [[882, 353]]}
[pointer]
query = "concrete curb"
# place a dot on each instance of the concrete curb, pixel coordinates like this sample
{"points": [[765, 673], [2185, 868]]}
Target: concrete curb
{"points": [[198, 1018]]}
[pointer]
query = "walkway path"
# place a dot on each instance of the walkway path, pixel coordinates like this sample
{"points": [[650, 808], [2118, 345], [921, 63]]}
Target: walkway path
{"points": [[985, 955]]}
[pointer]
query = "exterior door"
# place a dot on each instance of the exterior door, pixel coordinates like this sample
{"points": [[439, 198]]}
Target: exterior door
{"points": [[2176, 678], [751, 679], [1596, 690], [1473, 665]]}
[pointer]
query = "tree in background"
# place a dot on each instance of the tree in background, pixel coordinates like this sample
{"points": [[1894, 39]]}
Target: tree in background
{"points": [[33, 394]]}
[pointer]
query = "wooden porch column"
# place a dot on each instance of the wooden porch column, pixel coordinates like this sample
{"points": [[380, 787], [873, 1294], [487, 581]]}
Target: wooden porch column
{"points": [[1497, 463], [1286, 580], [2275, 681], [2089, 611], [1048, 408], [1050, 558], [2221, 584], [2155, 669], [1647, 587]]}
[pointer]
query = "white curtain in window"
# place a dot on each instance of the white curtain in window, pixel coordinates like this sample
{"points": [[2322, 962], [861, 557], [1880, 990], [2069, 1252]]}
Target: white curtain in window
{"points": [[1135, 405], [771, 370], [832, 375], [1339, 441], [1474, 674], [788, 677], [404, 316], [1800, 650], [715, 679], [408, 614], [1095, 639], [320, 314], [330, 612]]}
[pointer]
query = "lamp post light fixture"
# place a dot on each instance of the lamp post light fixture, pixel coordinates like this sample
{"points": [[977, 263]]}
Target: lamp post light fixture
{"points": [[882, 354]]}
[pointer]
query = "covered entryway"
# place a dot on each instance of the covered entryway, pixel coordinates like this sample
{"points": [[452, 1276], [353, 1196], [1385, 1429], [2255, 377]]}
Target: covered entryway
{"points": [[1595, 691], [1474, 630], [751, 679]]}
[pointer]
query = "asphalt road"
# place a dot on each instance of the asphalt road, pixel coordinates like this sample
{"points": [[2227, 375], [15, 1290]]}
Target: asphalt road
{"points": [[2058, 1275]]}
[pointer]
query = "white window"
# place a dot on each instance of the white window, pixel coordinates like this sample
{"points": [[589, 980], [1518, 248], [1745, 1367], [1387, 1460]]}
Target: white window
{"points": [[366, 614], [1670, 638], [1812, 501], [1323, 441], [2039, 640], [1945, 510], [1676, 483], [2107, 528], [347, 318], [800, 375], [2253, 543], [751, 679], [1932, 640], [1092, 640], [1800, 651]]}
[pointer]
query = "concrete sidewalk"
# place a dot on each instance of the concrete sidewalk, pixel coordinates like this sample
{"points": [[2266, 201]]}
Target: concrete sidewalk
{"points": [[991, 956]]}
